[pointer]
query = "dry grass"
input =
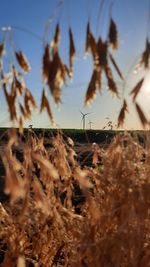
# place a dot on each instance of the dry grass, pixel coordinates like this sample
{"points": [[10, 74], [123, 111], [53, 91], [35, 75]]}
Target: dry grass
{"points": [[56, 73], [62, 215], [59, 213]]}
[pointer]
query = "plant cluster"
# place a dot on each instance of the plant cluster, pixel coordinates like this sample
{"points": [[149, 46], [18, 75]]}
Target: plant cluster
{"points": [[55, 73], [60, 214]]}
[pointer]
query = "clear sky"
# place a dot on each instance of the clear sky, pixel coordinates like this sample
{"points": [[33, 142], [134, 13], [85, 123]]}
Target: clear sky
{"points": [[131, 17]]}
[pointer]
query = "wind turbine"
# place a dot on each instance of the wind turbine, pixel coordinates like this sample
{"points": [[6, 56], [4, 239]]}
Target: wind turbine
{"points": [[83, 118], [90, 123]]}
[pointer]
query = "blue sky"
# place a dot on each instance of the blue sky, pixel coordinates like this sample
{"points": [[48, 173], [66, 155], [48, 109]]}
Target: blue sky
{"points": [[131, 17]]}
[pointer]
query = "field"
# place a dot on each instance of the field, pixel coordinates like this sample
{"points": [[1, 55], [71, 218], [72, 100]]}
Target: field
{"points": [[64, 209]]}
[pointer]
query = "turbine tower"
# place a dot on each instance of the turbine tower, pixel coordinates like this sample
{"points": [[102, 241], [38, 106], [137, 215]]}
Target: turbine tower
{"points": [[90, 123], [83, 118]]}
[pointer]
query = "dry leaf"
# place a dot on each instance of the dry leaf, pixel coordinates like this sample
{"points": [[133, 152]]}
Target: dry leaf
{"points": [[115, 66], [23, 62], [137, 89], [121, 116], [141, 115], [113, 35]]}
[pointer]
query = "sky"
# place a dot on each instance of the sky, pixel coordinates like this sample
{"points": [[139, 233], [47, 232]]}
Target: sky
{"points": [[28, 20]]}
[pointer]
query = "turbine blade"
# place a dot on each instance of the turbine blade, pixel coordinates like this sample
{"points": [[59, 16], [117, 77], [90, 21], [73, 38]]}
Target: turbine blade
{"points": [[81, 112]]}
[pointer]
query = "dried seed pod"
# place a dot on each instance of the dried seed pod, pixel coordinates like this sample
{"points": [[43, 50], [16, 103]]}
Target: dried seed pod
{"points": [[113, 35], [27, 105], [72, 50], [45, 105], [141, 114], [28, 102], [122, 113], [102, 48], [31, 98], [20, 122], [56, 78], [1, 49], [1, 64], [12, 107], [21, 261], [91, 45], [56, 39], [111, 83], [38, 191], [23, 112], [95, 83], [19, 86], [68, 71], [87, 45], [57, 35], [1, 53], [11, 102], [46, 164], [145, 56], [116, 66], [46, 63], [137, 89], [22, 61], [13, 185]]}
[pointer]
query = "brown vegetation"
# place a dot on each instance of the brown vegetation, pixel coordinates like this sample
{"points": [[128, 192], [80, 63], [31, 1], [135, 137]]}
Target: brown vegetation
{"points": [[62, 215], [59, 213]]}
